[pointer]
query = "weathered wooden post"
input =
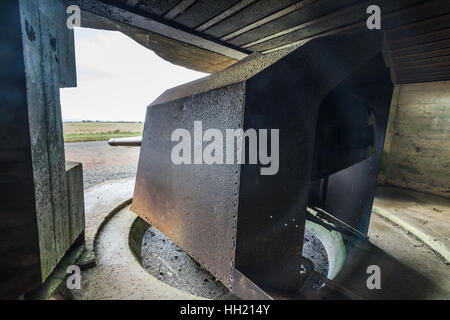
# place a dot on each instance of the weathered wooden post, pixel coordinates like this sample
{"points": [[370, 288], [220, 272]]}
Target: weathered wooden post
{"points": [[40, 217]]}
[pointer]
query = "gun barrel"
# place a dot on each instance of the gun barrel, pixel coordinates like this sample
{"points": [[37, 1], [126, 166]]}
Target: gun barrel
{"points": [[125, 142]]}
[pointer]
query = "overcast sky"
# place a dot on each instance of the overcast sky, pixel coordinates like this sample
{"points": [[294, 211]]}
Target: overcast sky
{"points": [[117, 78]]}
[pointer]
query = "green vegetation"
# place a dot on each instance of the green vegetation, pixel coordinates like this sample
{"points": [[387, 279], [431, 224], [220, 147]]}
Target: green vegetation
{"points": [[84, 137], [100, 131]]}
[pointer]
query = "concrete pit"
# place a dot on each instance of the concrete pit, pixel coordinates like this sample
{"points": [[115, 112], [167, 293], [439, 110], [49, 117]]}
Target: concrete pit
{"points": [[167, 262]]}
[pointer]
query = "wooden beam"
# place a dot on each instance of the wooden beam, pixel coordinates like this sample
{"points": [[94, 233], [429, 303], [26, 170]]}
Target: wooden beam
{"points": [[20, 266], [225, 14], [179, 8], [246, 16], [423, 79], [75, 195], [424, 72], [437, 45], [150, 25], [420, 27], [424, 62], [395, 12], [269, 18], [420, 39], [349, 18], [422, 56], [171, 50], [318, 20], [355, 26]]}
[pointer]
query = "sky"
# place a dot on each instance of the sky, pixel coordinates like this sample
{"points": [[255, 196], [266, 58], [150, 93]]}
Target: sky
{"points": [[117, 78]]}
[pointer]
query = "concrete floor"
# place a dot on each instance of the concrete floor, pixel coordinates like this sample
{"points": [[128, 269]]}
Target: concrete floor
{"points": [[163, 259], [414, 228], [102, 162], [425, 216], [118, 275], [406, 248], [101, 201], [419, 237]]}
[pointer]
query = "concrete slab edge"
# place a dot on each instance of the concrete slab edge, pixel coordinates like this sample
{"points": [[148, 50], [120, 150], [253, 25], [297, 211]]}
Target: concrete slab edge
{"points": [[437, 246], [90, 245], [110, 215], [134, 263], [55, 283]]}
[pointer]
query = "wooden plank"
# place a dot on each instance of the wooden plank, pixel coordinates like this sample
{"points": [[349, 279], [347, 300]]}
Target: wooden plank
{"points": [[422, 56], [52, 110], [427, 86], [437, 45], [416, 77], [66, 48], [394, 13], [423, 78], [423, 73], [436, 75], [330, 23], [423, 62], [441, 66], [170, 50], [444, 67], [45, 121], [337, 15], [39, 135], [418, 28], [178, 9], [350, 28], [225, 14], [20, 267], [310, 11], [275, 16], [247, 16], [433, 77], [74, 173], [420, 39], [202, 11], [144, 23], [33, 223], [155, 7], [415, 13], [65, 39]]}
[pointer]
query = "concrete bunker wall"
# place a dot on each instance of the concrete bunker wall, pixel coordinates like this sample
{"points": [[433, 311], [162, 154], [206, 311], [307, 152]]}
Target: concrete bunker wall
{"points": [[417, 150]]}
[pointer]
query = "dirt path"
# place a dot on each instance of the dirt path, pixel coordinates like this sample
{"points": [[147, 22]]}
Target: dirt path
{"points": [[102, 162]]}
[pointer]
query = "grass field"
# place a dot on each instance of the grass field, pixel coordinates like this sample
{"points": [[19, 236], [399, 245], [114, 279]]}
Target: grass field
{"points": [[99, 131]]}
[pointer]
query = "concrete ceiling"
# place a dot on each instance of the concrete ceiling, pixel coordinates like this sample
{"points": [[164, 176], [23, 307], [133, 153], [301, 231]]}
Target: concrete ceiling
{"points": [[209, 35]]}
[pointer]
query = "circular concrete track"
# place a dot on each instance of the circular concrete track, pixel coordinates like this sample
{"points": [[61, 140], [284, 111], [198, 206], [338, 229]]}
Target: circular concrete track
{"points": [[118, 275]]}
